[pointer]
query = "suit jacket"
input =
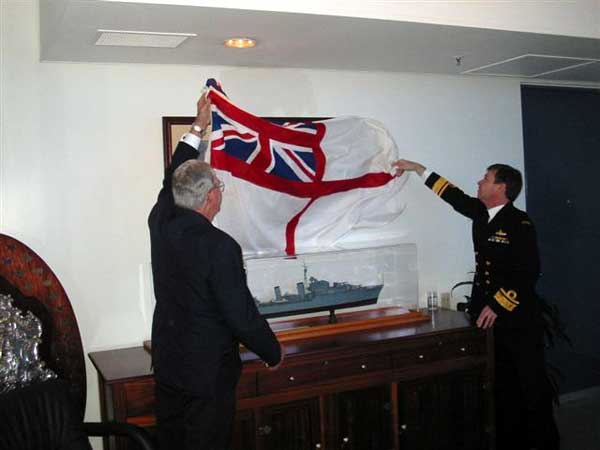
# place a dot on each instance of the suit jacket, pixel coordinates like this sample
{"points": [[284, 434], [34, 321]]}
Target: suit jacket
{"points": [[507, 261], [203, 305]]}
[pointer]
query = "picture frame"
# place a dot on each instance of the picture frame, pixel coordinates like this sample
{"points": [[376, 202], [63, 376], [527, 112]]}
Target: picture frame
{"points": [[176, 126], [173, 128]]}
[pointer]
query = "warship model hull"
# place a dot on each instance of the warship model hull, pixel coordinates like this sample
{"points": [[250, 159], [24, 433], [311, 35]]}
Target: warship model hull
{"points": [[319, 295]]}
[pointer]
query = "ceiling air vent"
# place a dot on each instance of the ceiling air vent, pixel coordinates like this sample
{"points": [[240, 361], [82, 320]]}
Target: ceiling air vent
{"points": [[124, 38], [536, 66]]}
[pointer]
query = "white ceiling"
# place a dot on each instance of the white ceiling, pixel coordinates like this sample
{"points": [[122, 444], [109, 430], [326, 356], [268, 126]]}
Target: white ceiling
{"points": [[69, 30]]}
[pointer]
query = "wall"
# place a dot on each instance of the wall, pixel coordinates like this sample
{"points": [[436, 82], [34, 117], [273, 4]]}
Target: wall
{"points": [[81, 160]]}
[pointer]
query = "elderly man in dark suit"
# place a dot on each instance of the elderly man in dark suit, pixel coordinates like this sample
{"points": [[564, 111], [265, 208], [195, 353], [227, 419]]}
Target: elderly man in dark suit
{"points": [[504, 297], [203, 306]]}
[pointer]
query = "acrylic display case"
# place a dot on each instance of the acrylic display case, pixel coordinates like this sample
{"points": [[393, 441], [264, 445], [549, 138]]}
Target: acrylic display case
{"points": [[332, 281]]}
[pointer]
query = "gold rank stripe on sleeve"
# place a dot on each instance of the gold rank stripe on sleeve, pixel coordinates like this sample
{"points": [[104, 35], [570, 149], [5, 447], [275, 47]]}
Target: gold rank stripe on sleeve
{"points": [[506, 299], [444, 188], [440, 186]]}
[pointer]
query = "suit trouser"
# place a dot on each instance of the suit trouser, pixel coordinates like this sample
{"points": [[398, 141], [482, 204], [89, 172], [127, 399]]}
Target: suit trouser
{"points": [[524, 410], [193, 422]]}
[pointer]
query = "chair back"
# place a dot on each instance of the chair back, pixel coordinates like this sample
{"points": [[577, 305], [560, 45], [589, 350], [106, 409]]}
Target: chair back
{"points": [[28, 273]]}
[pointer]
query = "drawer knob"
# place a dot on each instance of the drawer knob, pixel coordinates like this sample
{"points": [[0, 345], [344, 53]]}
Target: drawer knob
{"points": [[263, 431], [363, 366], [292, 378]]}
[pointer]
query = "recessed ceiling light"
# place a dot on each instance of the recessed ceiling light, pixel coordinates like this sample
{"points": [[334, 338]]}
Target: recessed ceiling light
{"points": [[240, 42]]}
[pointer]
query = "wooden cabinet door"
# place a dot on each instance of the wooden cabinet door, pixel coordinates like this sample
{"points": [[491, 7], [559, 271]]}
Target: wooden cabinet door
{"points": [[461, 402], [362, 420], [443, 413], [244, 431], [417, 408], [289, 426]]}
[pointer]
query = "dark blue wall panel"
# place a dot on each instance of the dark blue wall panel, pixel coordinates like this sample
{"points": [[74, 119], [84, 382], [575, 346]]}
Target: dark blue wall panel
{"points": [[561, 131]]}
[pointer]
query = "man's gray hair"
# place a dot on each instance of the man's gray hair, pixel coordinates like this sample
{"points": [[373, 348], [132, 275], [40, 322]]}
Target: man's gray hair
{"points": [[191, 183]]}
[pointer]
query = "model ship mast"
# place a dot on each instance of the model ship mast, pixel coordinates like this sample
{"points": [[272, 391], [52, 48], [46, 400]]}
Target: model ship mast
{"points": [[305, 272]]}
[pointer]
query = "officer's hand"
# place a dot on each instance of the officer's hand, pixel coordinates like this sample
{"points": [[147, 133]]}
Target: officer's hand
{"points": [[487, 318], [404, 165]]}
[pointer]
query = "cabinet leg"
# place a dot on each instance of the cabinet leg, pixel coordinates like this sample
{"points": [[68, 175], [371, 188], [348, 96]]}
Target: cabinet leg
{"points": [[395, 417]]}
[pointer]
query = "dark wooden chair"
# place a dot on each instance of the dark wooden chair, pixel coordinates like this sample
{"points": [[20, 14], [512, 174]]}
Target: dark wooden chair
{"points": [[26, 275]]}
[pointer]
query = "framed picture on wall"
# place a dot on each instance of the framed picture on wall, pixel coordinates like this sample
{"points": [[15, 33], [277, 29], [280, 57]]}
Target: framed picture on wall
{"points": [[173, 129], [176, 126]]}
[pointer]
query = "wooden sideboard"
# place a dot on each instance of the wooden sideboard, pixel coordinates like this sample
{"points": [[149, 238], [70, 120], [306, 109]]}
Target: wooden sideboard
{"points": [[425, 386]]}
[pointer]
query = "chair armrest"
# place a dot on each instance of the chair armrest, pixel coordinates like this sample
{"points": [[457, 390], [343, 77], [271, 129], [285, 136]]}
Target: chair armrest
{"points": [[137, 434]]}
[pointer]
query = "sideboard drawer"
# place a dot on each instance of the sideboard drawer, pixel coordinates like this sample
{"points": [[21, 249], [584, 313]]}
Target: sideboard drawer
{"points": [[437, 348], [463, 345], [356, 365], [140, 400], [325, 370], [419, 352], [139, 396], [290, 377]]}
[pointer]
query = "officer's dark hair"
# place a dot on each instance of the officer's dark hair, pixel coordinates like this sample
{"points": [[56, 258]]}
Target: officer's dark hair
{"points": [[511, 177]]}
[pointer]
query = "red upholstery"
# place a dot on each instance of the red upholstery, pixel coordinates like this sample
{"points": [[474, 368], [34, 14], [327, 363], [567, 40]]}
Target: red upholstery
{"points": [[26, 271]]}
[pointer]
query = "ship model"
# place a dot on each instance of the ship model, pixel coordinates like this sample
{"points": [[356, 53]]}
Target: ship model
{"points": [[314, 295]]}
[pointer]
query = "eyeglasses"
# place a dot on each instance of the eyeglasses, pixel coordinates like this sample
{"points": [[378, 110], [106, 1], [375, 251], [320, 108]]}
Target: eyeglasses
{"points": [[220, 186]]}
